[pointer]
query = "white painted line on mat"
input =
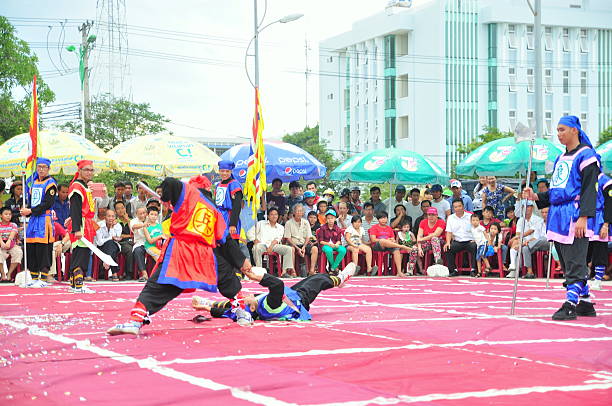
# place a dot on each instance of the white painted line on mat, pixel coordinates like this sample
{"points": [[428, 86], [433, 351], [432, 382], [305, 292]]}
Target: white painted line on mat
{"points": [[150, 365], [365, 350]]}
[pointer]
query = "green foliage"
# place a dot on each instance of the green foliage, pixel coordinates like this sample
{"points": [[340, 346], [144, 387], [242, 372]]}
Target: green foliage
{"points": [[605, 135], [18, 65], [490, 134], [113, 121], [308, 140]]}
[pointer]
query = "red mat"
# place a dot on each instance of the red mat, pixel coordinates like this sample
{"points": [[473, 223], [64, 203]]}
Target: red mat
{"points": [[377, 341]]}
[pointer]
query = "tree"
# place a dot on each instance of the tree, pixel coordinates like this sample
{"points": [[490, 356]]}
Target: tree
{"points": [[490, 134], [18, 65], [605, 136], [308, 140], [114, 120]]}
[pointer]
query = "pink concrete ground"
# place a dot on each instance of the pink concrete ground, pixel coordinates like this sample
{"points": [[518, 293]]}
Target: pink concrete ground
{"points": [[377, 341]]}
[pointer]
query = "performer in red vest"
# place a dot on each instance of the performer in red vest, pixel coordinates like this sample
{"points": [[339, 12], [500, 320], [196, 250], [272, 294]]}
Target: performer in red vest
{"points": [[198, 255], [81, 224]]}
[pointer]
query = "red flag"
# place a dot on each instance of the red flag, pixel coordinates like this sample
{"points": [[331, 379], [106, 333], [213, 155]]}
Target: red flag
{"points": [[31, 160]]}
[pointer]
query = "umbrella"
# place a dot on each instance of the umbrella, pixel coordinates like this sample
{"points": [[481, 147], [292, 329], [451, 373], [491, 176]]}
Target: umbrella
{"points": [[605, 150], [283, 160], [163, 155], [505, 157], [63, 149], [390, 165]]}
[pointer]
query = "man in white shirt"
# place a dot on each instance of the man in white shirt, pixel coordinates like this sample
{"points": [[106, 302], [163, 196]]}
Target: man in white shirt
{"points": [[107, 238], [137, 225], [443, 206], [391, 202], [299, 236], [459, 237], [534, 239], [268, 237], [413, 207]]}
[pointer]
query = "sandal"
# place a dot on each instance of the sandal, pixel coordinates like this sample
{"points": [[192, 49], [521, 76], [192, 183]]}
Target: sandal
{"points": [[114, 278]]}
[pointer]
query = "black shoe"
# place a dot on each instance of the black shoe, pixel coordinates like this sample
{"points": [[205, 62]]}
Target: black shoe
{"points": [[566, 312], [474, 274], [453, 273], [529, 276], [585, 309]]}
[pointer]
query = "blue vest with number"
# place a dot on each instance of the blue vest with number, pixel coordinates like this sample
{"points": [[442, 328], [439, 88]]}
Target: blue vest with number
{"points": [[284, 312], [40, 228]]}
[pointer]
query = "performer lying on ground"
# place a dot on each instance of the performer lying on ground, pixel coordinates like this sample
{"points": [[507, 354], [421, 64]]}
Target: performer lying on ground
{"points": [[281, 302], [198, 255]]}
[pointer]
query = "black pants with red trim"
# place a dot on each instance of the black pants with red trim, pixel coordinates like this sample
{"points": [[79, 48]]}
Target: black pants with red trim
{"points": [[154, 296]]}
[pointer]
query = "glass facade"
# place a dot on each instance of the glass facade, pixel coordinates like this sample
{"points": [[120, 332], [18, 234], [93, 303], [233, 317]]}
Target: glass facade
{"points": [[461, 55], [492, 106], [604, 98], [390, 112]]}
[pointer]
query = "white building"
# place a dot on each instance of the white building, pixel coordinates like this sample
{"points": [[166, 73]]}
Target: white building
{"points": [[429, 77]]}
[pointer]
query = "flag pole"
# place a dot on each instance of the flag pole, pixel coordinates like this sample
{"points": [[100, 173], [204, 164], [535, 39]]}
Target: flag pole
{"points": [[523, 219], [25, 224]]}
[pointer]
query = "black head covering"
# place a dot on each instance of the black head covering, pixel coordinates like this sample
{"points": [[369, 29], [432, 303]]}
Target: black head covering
{"points": [[171, 190]]}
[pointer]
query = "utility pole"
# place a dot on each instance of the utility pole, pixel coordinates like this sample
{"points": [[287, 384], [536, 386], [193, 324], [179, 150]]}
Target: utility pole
{"points": [[306, 73], [86, 45], [536, 9], [256, 44]]}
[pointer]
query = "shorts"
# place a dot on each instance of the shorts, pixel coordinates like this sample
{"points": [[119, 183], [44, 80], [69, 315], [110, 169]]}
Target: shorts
{"points": [[377, 247], [308, 248], [484, 251]]}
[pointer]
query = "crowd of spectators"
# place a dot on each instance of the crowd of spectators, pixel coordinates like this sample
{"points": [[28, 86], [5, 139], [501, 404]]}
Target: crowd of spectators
{"points": [[307, 229]]}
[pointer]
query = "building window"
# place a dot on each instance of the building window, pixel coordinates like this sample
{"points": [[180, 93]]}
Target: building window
{"points": [[330, 133], [390, 93], [403, 86], [512, 79], [330, 59], [530, 80], [330, 96], [583, 121], [511, 36], [583, 83], [548, 80], [548, 122], [565, 82], [389, 51], [584, 40], [548, 42], [512, 117], [566, 40], [530, 40], [530, 119]]}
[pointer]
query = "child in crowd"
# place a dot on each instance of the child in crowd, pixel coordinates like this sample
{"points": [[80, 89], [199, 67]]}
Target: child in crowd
{"points": [[313, 220], [8, 244], [329, 236], [153, 233], [496, 241], [405, 235], [137, 226], [481, 238], [322, 209], [354, 236]]}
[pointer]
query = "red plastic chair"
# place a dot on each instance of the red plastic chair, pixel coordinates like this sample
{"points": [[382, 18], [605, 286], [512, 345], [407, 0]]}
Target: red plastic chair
{"points": [[500, 265], [381, 259], [542, 262], [459, 262], [274, 261]]}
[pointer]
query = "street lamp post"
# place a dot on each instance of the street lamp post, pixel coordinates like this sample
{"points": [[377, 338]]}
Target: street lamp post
{"points": [[255, 40]]}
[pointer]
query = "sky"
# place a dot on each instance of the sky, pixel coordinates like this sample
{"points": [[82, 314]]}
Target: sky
{"points": [[211, 97]]}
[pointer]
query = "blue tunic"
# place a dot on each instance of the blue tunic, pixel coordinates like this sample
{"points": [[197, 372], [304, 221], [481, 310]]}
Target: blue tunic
{"points": [[603, 182], [224, 193], [40, 227], [284, 312], [565, 186]]}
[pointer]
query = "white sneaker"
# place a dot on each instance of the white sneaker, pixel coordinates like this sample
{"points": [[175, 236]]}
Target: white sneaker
{"points": [[37, 283], [131, 327], [511, 273], [595, 284], [243, 318], [346, 274], [84, 289], [200, 303]]}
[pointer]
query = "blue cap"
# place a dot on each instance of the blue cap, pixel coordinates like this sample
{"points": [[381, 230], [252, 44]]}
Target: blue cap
{"points": [[574, 122], [43, 161], [227, 164], [309, 193], [332, 212]]}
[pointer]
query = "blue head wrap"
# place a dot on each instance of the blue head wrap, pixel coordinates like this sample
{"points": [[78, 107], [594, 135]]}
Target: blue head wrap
{"points": [[227, 164], [34, 177], [574, 122]]}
